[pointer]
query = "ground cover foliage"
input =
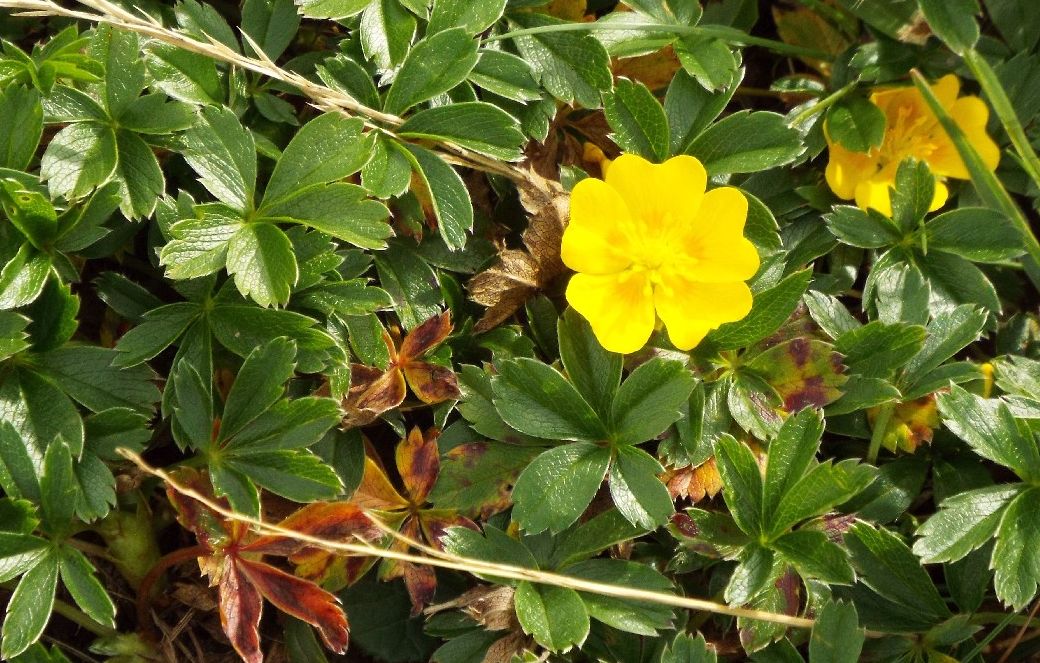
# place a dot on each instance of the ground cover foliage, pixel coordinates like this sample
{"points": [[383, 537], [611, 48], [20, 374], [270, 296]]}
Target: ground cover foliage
{"points": [[504, 331]]}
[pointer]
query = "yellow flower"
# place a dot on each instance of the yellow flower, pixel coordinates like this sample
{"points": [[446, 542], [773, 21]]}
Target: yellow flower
{"points": [[649, 243], [911, 130]]}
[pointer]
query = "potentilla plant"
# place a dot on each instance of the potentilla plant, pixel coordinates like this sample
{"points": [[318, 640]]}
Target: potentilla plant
{"points": [[504, 331]]}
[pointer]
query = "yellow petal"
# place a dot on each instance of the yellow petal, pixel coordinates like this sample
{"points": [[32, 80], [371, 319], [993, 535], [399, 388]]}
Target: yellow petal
{"points": [[620, 308], [946, 90], [659, 195], [971, 114], [690, 309], [845, 169], [940, 196], [595, 241], [715, 241], [873, 193]]}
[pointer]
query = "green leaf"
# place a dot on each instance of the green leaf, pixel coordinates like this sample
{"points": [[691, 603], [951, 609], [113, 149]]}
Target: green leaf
{"points": [[637, 617], [272, 24], [690, 109], [476, 125], [30, 212], [815, 556], [30, 607], [593, 536], [637, 492], [17, 469], [125, 75], [79, 577], [22, 127], [555, 616], [155, 114], [836, 636], [877, 350], [650, 400], [223, 153], [710, 61], [339, 209], [448, 194], [336, 9], [769, 310], [746, 142], [388, 172], [976, 233], [23, 277], [791, 454], [912, 194], [138, 174], [53, 316], [964, 522], [741, 481], [856, 124], [241, 493], [494, 546], [19, 551], [57, 488], [595, 372], [79, 158], [288, 424], [820, 490], [949, 333], [556, 487], [756, 573], [506, 75], [183, 75], [260, 383], [571, 66], [261, 259], [411, 282], [160, 327], [866, 229], [339, 141], [889, 568], [40, 412], [475, 16], [295, 475], [475, 477], [535, 399], [956, 281], [902, 295], [1016, 558], [87, 375], [991, 430], [387, 29], [199, 246], [687, 649], [953, 21], [638, 120], [434, 65]]}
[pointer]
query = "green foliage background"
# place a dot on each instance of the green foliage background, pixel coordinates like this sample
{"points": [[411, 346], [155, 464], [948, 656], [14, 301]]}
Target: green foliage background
{"points": [[229, 230]]}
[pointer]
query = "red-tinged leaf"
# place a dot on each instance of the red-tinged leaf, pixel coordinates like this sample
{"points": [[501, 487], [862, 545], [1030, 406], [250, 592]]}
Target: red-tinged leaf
{"points": [[301, 599], [208, 527], [332, 521], [419, 462], [425, 337], [435, 522], [806, 373], [240, 608], [333, 572], [477, 478], [370, 397], [420, 581], [912, 424], [376, 491], [432, 383]]}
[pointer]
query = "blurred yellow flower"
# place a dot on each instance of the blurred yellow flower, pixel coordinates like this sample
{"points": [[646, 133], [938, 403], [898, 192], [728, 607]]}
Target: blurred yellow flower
{"points": [[911, 131], [649, 243]]}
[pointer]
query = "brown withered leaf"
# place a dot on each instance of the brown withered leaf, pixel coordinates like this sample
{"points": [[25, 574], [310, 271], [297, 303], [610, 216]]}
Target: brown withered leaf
{"points": [[694, 483], [373, 391], [654, 70], [233, 564], [518, 274]]}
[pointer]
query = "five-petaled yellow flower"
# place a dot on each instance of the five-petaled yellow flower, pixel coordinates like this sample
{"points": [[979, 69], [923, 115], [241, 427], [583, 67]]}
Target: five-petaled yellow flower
{"points": [[911, 131], [649, 243]]}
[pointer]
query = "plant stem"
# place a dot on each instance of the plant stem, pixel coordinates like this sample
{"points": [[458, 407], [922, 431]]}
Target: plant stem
{"points": [[724, 33], [880, 427], [144, 592], [822, 104], [1001, 103], [997, 630]]}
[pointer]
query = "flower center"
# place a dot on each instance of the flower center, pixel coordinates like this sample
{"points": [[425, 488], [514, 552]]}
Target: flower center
{"points": [[909, 134]]}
